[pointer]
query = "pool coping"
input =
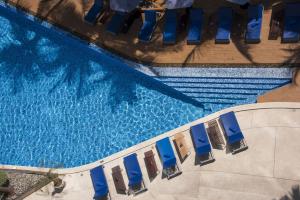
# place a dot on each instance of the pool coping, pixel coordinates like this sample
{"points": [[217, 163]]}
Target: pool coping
{"points": [[150, 142]]}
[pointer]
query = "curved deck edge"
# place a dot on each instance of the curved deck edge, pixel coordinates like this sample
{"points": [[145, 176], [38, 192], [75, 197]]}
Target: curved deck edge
{"points": [[241, 108]]}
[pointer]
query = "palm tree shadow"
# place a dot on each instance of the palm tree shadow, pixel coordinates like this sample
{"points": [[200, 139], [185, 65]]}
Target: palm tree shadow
{"points": [[75, 75], [238, 36], [24, 57], [209, 32], [43, 54], [294, 194], [68, 13], [123, 87], [207, 35], [31, 53], [46, 7], [294, 55], [85, 74]]}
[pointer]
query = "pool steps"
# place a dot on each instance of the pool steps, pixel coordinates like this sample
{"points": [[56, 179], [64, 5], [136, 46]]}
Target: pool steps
{"points": [[222, 90]]}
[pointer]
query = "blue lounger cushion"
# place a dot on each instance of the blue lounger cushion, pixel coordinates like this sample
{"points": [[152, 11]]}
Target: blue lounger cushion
{"points": [[133, 170], [224, 26], [255, 14], [117, 22], [170, 27], [231, 127], [99, 182], [291, 31], [166, 153], [195, 26], [200, 139], [94, 12], [148, 27]]}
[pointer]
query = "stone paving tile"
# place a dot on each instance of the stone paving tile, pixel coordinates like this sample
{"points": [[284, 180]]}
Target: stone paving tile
{"points": [[246, 184], [276, 118], [287, 163], [247, 175], [213, 194]]}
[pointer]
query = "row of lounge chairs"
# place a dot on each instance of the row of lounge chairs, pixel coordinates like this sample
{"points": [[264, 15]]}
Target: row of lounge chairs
{"points": [[170, 167], [121, 21]]}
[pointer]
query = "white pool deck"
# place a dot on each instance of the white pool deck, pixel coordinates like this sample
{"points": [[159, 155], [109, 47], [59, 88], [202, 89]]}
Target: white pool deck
{"points": [[267, 170]]}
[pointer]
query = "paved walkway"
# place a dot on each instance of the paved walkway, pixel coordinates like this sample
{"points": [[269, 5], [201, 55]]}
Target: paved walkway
{"points": [[287, 93], [69, 14], [269, 169]]}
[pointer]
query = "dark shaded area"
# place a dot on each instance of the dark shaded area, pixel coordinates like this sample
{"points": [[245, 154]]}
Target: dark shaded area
{"points": [[295, 56], [30, 64], [276, 23], [238, 39], [148, 4], [46, 7], [294, 194], [118, 180], [20, 60], [151, 166]]}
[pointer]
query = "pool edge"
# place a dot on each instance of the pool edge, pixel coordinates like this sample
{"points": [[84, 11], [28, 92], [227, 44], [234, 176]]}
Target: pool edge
{"points": [[120, 154]]}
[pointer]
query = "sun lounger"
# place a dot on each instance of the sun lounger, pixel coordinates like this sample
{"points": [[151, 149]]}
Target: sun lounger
{"points": [[116, 23], [255, 14], [121, 21], [99, 183], [136, 183], [276, 22], [202, 144], [181, 146], [118, 180], [131, 17], [274, 29], [216, 137], [224, 26], [167, 156], [184, 19], [95, 11], [195, 26], [233, 133], [170, 27], [148, 27], [291, 31], [151, 164]]}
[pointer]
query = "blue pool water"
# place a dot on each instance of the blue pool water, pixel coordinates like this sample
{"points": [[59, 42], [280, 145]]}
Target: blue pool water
{"points": [[63, 104]]}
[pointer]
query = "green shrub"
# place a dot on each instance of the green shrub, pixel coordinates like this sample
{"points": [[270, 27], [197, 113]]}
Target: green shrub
{"points": [[3, 178]]}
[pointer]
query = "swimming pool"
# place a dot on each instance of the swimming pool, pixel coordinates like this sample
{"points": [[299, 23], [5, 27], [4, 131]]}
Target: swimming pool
{"points": [[64, 104]]}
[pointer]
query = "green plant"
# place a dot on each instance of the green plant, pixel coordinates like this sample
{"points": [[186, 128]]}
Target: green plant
{"points": [[3, 178]]}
